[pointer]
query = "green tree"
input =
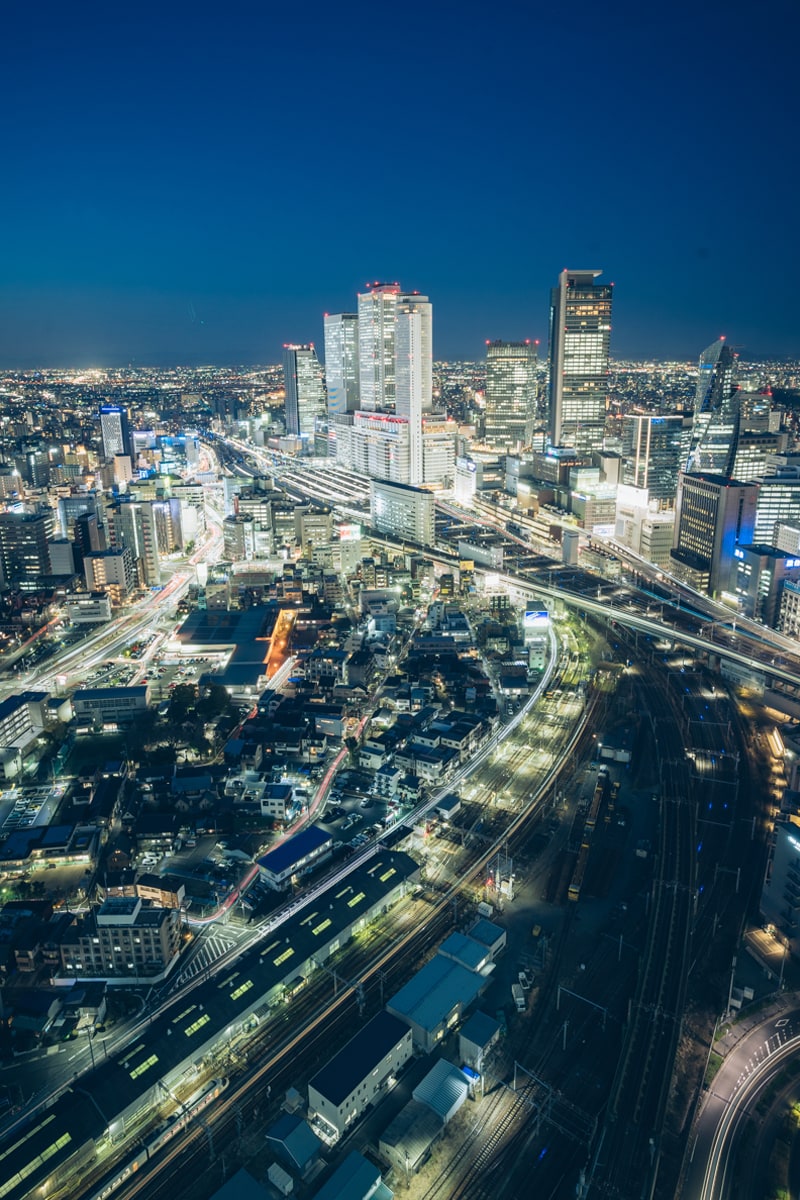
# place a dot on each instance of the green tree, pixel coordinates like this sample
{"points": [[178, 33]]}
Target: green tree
{"points": [[215, 702], [182, 701], [198, 742]]}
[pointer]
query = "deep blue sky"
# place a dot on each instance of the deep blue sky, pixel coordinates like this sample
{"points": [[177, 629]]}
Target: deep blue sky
{"points": [[187, 183]]}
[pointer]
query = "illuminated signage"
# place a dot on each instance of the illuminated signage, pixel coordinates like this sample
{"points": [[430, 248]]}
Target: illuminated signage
{"points": [[536, 619]]}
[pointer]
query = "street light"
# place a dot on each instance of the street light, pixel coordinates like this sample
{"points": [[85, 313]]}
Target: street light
{"points": [[90, 1037]]}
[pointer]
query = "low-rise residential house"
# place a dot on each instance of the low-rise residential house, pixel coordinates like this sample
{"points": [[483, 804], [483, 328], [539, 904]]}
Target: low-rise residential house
{"points": [[387, 779]]}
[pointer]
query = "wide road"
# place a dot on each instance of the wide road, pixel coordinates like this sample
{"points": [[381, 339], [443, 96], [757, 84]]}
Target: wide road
{"points": [[76, 660]]}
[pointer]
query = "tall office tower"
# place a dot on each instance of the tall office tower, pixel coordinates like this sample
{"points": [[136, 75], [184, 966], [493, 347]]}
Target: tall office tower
{"points": [[715, 431], [580, 332], [37, 468], [115, 430], [510, 393], [714, 515], [132, 524], [778, 503], [24, 554], [377, 310], [305, 390], [752, 452], [341, 362], [651, 448], [757, 413], [413, 376], [422, 305]]}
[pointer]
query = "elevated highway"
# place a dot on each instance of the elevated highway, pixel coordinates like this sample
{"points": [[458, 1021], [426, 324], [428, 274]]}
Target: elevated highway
{"points": [[762, 665]]}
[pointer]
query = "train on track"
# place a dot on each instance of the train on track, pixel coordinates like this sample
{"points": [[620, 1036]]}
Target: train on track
{"points": [[187, 1112]]}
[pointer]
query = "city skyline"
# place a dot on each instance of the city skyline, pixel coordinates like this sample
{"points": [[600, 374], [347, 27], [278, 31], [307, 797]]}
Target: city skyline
{"points": [[180, 190]]}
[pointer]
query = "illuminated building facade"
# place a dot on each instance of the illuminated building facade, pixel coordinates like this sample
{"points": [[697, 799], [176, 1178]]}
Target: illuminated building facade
{"points": [[715, 431], [510, 393], [580, 333], [377, 312], [115, 430], [305, 391], [651, 448], [714, 515], [341, 363], [402, 511]]}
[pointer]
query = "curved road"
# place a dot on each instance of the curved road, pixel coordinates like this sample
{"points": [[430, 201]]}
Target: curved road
{"points": [[748, 1068]]}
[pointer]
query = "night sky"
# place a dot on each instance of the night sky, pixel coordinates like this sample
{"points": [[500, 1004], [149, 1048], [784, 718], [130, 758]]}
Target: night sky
{"points": [[185, 183]]}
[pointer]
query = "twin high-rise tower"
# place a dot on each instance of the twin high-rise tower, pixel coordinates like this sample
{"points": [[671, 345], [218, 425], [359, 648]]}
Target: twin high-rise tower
{"points": [[367, 364], [379, 373]]}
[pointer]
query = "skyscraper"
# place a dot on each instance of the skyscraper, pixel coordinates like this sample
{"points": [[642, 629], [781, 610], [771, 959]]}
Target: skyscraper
{"points": [[377, 309], [580, 332], [510, 393], [714, 516], [341, 362], [132, 524], [413, 374], [305, 390], [24, 554], [651, 447], [115, 430], [715, 432]]}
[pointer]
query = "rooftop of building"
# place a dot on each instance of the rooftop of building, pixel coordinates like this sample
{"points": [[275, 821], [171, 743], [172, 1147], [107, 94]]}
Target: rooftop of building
{"points": [[479, 1029], [442, 1088], [139, 691], [435, 991], [355, 1179], [294, 849], [343, 1073]]}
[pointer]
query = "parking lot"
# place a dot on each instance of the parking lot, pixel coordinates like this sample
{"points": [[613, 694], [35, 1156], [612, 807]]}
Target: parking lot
{"points": [[24, 807]]}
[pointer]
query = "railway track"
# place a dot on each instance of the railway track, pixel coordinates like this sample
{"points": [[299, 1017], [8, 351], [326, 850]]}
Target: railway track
{"points": [[322, 1027]]}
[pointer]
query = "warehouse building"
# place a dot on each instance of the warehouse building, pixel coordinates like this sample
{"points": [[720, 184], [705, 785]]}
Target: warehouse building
{"points": [[492, 936], [355, 1179], [444, 1089], [434, 1000], [355, 1077], [468, 952], [110, 707], [406, 1143]]}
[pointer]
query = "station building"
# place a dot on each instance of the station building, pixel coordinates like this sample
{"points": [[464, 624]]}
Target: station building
{"points": [[223, 1011]]}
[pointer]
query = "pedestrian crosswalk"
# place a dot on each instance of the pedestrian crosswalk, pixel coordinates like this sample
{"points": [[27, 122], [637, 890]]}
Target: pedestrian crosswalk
{"points": [[212, 948]]}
